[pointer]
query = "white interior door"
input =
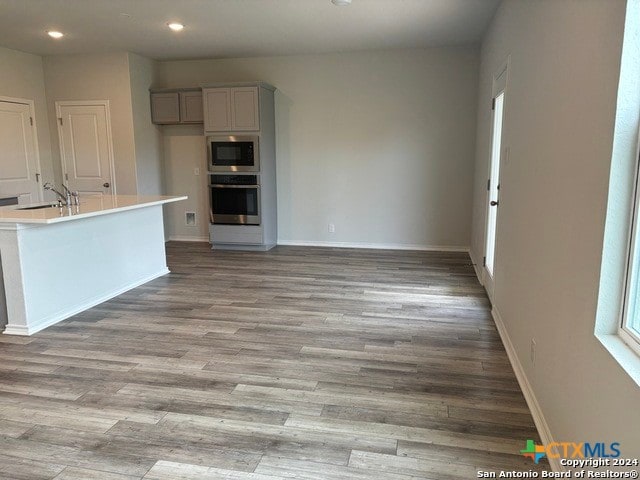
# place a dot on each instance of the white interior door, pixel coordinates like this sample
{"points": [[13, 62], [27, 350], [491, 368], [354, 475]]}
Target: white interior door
{"points": [[86, 148], [493, 183], [19, 166]]}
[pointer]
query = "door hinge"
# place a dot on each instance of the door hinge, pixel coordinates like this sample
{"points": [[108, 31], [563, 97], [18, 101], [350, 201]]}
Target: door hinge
{"points": [[493, 104], [37, 178], [60, 119], [488, 184], [66, 176], [31, 121], [484, 261]]}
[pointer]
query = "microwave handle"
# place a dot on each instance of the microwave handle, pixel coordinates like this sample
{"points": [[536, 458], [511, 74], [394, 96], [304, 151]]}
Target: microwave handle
{"points": [[221, 185]]}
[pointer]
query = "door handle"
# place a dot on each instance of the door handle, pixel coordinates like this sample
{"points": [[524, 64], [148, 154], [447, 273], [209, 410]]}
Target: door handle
{"points": [[106, 185], [493, 203]]}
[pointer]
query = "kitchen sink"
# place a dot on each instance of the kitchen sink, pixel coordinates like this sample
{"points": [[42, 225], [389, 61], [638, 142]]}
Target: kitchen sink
{"points": [[37, 207]]}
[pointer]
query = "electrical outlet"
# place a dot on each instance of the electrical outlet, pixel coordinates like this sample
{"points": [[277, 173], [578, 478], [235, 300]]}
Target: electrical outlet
{"points": [[190, 219], [532, 353], [196, 171], [332, 228]]}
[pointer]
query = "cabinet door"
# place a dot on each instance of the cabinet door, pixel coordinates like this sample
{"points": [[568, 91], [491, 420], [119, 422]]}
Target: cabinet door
{"points": [[217, 109], [165, 108], [191, 107], [244, 109]]}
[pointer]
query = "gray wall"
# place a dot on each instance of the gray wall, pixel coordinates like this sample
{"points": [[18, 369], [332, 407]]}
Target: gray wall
{"points": [[559, 120], [379, 143], [147, 136]]}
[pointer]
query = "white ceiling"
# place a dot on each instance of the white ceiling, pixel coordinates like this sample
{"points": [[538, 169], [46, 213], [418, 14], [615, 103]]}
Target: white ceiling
{"points": [[239, 28]]}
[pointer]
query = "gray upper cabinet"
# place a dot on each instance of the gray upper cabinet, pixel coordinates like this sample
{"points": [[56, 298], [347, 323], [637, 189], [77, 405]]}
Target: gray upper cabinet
{"points": [[177, 106], [231, 109], [191, 107], [165, 108], [217, 109], [244, 109]]}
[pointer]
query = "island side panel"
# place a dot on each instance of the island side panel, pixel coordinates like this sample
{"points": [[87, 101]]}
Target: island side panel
{"points": [[13, 303], [3, 301], [68, 267]]}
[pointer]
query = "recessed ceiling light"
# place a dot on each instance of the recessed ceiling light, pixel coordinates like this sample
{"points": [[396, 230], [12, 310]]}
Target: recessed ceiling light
{"points": [[176, 27], [55, 34], [341, 3]]}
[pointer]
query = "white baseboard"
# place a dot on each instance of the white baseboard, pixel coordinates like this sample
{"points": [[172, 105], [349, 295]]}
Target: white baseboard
{"points": [[381, 246], [16, 330], [536, 412], [63, 315], [186, 238]]}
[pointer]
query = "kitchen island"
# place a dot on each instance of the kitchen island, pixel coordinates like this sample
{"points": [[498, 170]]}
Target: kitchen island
{"points": [[59, 261]]}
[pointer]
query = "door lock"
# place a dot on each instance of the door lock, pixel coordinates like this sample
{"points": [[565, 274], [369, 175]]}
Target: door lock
{"points": [[106, 185]]}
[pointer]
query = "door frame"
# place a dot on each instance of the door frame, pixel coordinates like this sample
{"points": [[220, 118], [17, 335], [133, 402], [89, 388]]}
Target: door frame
{"points": [[32, 114], [87, 103], [499, 83]]}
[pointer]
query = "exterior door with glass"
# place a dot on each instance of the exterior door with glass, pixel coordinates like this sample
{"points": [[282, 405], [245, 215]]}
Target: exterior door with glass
{"points": [[493, 182]]}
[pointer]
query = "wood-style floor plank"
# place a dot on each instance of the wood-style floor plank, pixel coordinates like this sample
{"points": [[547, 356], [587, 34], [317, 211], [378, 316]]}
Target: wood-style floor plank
{"points": [[297, 363], [164, 470], [73, 473]]}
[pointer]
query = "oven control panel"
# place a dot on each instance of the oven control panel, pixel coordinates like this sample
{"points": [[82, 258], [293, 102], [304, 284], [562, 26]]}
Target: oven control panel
{"points": [[234, 179]]}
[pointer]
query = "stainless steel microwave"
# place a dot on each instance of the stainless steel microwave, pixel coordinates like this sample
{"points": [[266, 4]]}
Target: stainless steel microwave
{"points": [[233, 153]]}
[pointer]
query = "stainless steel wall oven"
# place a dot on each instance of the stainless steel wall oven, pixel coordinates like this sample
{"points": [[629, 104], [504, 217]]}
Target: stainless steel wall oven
{"points": [[235, 199]]}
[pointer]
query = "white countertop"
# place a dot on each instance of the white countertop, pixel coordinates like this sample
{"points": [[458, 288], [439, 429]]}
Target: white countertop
{"points": [[90, 206]]}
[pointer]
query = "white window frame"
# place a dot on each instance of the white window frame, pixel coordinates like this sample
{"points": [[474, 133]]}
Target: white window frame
{"points": [[631, 297]]}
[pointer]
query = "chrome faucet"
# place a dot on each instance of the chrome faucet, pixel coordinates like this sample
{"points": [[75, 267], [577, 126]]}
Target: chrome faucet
{"points": [[63, 199], [71, 195]]}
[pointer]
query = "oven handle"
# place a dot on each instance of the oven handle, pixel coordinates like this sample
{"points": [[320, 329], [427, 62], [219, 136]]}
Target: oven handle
{"points": [[221, 185]]}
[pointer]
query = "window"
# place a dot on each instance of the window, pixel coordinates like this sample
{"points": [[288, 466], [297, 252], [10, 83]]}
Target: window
{"points": [[617, 325], [630, 325]]}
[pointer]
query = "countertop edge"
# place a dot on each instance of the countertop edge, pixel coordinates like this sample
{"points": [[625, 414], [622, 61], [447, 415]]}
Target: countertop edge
{"points": [[49, 221]]}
